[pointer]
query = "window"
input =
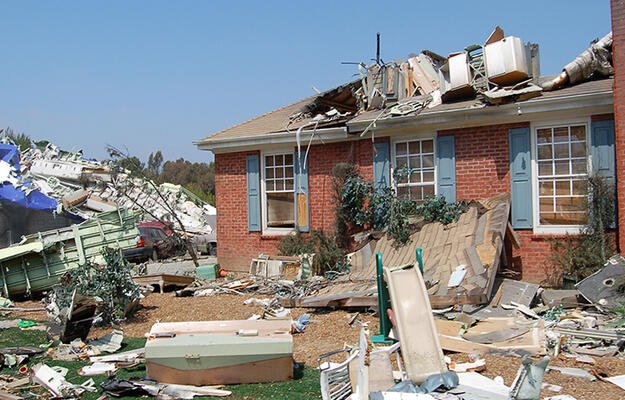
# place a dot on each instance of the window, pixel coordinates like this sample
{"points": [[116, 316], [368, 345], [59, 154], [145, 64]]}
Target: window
{"points": [[562, 171], [414, 163], [279, 193]]}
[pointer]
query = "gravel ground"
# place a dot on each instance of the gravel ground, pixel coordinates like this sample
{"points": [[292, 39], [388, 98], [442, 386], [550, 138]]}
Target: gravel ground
{"points": [[330, 330]]}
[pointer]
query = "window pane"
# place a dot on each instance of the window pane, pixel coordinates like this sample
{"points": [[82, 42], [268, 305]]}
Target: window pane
{"points": [[269, 173], [428, 161], [561, 134], [570, 204], [415, 162], [268, 160], [428, 176], [400, 149], [545, 168], [563, 188], [544, 135], [269, 185], [427, 146], [403, 191], [579, 187], [288, 172], [578, 133], [414, 147], [578, 149], [288, 184], [415, 177], [544, 152], [280, 210], [279, 172], [561, 167], [288, 159], [579, 166], [416, 193], [561, 150], [428, 191], [545, 188], [401, 162]]}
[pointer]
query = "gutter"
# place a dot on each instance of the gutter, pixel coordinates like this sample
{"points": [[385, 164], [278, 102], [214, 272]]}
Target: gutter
{"points": [[254, 141]]}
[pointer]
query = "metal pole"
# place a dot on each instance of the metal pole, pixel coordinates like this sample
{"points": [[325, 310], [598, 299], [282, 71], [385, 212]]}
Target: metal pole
{"points": [[420, 259]]}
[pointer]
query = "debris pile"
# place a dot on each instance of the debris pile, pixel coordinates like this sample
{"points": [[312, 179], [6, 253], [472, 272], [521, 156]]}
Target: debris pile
{"points": [[88, 187]]}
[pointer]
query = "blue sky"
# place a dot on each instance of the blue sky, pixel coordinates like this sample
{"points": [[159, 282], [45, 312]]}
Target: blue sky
{"points": [[150, 75]]}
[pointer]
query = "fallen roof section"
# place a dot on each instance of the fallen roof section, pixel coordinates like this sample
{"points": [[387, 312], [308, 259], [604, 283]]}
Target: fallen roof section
{"points": [[475, 242]]}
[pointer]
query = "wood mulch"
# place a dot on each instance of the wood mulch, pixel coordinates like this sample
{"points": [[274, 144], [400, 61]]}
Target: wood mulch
{"points": [[330, 330]]}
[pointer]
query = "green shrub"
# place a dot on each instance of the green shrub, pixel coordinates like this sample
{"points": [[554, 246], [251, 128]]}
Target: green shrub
{"points": [[580, 256], [329, 259]]}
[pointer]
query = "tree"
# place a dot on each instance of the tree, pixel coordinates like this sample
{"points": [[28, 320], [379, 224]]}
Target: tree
{"points": [[155, 160], [21, 140]]}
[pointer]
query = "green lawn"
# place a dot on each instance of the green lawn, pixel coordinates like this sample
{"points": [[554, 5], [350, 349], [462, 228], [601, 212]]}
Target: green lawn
{"points": [[306, 386]]}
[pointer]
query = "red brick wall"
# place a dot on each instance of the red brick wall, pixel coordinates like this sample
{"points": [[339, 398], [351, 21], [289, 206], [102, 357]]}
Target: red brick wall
{"points": [[482, 160], [618, 60], [236, 245], [483, 170]]}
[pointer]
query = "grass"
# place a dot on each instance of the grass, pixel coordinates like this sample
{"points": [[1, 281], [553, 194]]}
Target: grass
{"points": [[304, 387]]}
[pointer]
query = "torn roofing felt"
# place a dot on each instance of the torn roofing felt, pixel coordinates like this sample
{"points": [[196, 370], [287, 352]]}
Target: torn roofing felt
{"points": [[15, 189]]}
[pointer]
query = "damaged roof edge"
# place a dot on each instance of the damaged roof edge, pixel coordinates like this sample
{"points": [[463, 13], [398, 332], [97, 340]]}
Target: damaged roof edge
{"points": [[466, 115], [236, 144], [484, 113]]}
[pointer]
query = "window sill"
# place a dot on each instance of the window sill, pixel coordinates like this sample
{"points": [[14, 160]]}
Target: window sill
{"points": [[273, 234], [556, 231]]}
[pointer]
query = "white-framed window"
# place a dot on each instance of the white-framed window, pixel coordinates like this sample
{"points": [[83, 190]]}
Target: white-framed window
{"points": [[561, 165], [416, 157], [278, 184]]}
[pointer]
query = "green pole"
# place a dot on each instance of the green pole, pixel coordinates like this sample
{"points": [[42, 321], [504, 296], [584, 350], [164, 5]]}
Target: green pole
{"points": [[383, 299], [420, 259]]}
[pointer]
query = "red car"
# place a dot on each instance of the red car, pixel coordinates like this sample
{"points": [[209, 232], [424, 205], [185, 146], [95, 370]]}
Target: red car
{"points": [[155, 242]]}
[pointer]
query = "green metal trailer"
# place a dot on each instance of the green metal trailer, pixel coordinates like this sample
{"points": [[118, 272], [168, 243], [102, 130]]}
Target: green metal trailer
{"points": [[39, 260]]}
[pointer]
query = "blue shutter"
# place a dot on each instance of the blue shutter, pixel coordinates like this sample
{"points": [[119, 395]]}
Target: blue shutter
{"points": [[602, 150], [520, 177], [446, 168], [381, 165], [253, 192], [301, 194]]}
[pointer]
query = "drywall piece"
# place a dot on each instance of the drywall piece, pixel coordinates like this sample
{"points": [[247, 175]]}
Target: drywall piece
{"points": [[457, 276], [414, 323], [473, 386], [576, 372], [564, 298], [618, 380], [511, 291]]}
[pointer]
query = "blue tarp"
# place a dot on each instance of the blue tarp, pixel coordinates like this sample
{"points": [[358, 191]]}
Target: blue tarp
{"points": [[25, 195]]}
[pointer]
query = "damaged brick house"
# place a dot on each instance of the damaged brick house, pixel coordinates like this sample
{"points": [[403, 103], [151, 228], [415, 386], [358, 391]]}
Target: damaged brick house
{"points": [[469, 126]]}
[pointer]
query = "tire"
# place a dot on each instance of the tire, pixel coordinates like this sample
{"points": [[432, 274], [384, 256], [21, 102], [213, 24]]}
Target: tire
{"points": [[212, 249], [154, 256]]}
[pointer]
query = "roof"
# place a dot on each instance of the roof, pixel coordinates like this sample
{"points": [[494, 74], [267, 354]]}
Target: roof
{"points": [[280, 120], [594, 86]]}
